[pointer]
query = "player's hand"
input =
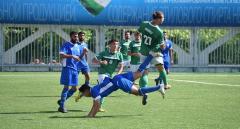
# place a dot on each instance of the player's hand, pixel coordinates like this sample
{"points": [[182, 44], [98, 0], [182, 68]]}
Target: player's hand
{"points": [[85, 51], [104, 62], [76, 58]]}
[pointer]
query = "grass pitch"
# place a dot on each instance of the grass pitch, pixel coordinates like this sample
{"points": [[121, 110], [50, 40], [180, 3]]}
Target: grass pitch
{"points": [[196, 101]]}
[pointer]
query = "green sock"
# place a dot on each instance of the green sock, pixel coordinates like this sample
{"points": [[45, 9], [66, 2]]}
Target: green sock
{"points": [[101, 101], [163, 76], [143, 82]]}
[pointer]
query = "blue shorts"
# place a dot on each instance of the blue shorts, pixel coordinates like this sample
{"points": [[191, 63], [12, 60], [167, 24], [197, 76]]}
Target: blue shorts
{"points": [[166, 65], [123, 81], [84, 69], [69, 77]]}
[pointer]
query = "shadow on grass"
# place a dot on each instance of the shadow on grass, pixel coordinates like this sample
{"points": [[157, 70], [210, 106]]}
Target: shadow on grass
{"points": [[39, 112], [107, 116], [36, 96]]}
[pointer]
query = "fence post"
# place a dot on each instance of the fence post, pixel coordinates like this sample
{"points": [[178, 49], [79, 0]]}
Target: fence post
{"points": [[194, 51], [1, 46], [51, 51]]}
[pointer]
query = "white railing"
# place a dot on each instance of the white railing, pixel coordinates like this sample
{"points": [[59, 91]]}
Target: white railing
{"points": [[34, 45]]}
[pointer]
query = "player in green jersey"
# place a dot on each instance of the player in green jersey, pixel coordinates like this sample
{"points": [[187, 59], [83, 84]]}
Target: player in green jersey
{"points": [[134, 52], [152, 38], [124, 49], [109, 60]]}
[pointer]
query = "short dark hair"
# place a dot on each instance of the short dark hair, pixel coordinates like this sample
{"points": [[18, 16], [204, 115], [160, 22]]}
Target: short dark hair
{"points": [[157, 15], [81, 33], [165, 32], [84, 87], [127, 32], [73, 33], [112, 40]]}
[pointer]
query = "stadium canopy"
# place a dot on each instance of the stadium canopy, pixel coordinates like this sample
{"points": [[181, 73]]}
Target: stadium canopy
{"points": [[188, 13]]}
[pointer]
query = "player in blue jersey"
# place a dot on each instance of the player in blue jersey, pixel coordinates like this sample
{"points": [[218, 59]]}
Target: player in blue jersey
{"points": [[82, 64], [167, 51], [120, 81], [70, 54]]}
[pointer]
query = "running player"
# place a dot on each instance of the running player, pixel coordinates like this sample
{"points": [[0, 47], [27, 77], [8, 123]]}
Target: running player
{"points": [[82, 64], [109, 60], [70, 53]]}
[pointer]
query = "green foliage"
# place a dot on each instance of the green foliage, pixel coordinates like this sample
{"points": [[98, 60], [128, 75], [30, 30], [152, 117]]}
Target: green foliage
{"points": [[208, 36]]}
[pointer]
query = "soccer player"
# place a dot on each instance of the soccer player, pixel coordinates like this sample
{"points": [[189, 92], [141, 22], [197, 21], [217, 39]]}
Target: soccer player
{"points": [[70, 53], [82, 64], [152, 37], [109, 60], [124, 49], [167, 51], [134, 52], [120, 81]]}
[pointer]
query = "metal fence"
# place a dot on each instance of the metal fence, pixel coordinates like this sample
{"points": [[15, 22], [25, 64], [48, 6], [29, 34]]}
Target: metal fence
{"points": [[36, 47]]}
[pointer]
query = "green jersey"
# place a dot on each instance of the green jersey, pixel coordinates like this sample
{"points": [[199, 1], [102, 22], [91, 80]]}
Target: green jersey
{"points": [[152, 37], [134, 47], [124, 49], [113, 60]]}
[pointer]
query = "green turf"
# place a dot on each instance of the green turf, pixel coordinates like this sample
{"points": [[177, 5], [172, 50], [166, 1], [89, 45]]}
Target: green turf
{"points": [[28, 101]]}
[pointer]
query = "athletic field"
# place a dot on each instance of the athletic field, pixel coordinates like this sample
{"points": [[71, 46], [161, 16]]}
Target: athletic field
{"points": [[196, 101]]}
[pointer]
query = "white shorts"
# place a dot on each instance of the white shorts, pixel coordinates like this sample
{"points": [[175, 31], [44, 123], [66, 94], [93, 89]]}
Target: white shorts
{"points": [[126, 63], [155, 60], [101, 77], [134, 68]]}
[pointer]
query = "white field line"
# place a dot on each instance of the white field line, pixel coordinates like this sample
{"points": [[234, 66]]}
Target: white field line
{"points": [[218, 75], [206, 83], [31, 75]]}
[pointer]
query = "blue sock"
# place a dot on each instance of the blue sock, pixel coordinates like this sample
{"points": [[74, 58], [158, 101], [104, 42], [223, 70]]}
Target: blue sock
{"points": [[145, 90], [145, 63], [63, 97], [70, 93]]}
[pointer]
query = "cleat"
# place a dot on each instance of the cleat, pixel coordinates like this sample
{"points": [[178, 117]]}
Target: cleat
{"points": [[62, 110], [162, 90], [101, 110], [144, 99], [59, 102], [166, 87]]}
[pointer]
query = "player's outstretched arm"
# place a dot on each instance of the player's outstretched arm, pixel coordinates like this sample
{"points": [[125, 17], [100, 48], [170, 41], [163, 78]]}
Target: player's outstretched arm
{"points": [[95, 108]]}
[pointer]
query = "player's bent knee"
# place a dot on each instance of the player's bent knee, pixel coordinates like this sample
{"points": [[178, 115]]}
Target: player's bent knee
{"points": [[134, 90]]}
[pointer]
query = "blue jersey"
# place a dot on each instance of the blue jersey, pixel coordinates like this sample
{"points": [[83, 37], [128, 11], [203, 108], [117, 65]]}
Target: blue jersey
{"points": [[165, 52], [121, 81], [103, 89], [83, 62], [70, 49]]}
